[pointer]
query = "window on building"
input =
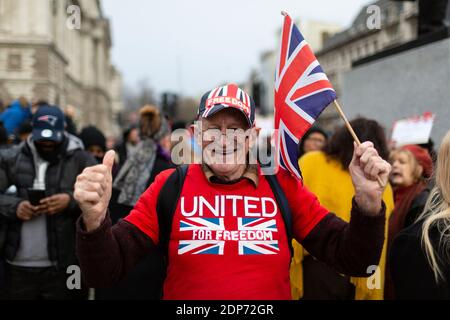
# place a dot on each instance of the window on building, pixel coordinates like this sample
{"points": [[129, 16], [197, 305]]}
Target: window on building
{"points": [[14, 61]]}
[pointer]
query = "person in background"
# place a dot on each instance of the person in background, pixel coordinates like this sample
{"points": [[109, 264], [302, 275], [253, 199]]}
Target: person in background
{"points": [[419, 255], [94, 142], [164, 142], [412, 166], [430, 147], [4, 141], [314, 139], [181, 145], [24, 131], [130, 139], [40, 238], [326, 174], [4, 145], [137, 173], [18, 112], [146, 161], [36, 104], [111, 141]]}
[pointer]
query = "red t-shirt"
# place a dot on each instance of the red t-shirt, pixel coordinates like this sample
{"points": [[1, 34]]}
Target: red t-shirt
{"points": [[228, 241]]}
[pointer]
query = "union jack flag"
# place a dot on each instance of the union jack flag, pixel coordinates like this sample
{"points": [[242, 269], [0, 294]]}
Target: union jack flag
{"points": [[258, 236], [201, 246], [258, 246], [302, 92]]}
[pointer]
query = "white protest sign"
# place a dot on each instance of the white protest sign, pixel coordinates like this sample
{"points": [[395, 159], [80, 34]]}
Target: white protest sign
{"points": [[414, 130]]}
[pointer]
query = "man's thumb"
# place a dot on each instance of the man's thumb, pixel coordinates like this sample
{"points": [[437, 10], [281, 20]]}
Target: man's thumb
{"points": [[108, 159]]}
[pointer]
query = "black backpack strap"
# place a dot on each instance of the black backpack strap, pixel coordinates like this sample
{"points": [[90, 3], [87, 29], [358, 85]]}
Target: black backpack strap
{"points": [[166, 205], [284, 207]]}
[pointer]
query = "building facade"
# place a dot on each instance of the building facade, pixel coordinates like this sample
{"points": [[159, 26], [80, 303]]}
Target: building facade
{"points": [[46, 55], [398, 25], [337, 48]]}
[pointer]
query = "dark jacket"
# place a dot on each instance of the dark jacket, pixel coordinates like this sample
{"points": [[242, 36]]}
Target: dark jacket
{"points": [[13, 117], [17, 168], [121, 150], [145, 280], [411, 273], [417, 206]]}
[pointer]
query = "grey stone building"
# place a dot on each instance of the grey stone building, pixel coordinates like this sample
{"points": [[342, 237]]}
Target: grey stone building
{"points": [[44, 54], [398, 26]]}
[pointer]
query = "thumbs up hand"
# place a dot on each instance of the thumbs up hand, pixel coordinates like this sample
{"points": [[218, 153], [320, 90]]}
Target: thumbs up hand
{"points": [[93, 191]]}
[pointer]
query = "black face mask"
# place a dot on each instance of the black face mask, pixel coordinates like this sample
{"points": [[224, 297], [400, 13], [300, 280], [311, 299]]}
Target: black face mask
{"points": [[49, 154], [99, 159]]}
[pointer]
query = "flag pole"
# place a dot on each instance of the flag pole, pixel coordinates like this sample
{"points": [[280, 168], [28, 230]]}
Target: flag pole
{"points": [[352, 132], [347, 123]]}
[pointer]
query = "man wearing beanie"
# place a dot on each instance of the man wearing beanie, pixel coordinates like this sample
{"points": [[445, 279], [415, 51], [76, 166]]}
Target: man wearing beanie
{"points": [[94, 142]]}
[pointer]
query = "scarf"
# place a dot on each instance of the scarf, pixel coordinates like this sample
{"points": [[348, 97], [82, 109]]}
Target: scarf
{"points": [[133, 176], [403, 198]]}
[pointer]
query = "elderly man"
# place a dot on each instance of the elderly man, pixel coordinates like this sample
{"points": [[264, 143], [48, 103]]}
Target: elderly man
{"points": [[227, 237]]}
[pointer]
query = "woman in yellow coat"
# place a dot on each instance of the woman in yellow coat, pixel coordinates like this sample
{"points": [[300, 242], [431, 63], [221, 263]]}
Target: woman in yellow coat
{"points": [[326, 175]]}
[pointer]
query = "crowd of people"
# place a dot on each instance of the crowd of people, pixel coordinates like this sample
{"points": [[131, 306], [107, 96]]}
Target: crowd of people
{"points": [[41, 149], [65, 199]]}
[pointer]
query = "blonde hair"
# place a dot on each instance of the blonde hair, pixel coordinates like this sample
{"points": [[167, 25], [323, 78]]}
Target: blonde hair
{"points": [[436, 213]]}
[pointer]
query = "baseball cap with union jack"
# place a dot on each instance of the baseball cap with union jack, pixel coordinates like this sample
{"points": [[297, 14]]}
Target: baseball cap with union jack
{"points": [[227, 96]]}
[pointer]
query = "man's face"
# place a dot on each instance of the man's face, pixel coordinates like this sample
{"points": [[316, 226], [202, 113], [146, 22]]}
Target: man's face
{"points": [[46, 146], [315, 142], [225, 141], [97, 152], [133, 137]]}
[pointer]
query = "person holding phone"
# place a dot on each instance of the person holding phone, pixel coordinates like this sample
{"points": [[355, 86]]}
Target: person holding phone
{"points": [[40, 239]]}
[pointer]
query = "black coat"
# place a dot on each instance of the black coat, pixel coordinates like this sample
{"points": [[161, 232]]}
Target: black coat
{"points": [[17, 168], [417, 206], [146, 280], [122, 153], [411, 273]]}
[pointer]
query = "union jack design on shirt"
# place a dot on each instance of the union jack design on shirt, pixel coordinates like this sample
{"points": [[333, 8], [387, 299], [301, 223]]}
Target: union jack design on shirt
{"points": [[254, 236], [302, 92]]}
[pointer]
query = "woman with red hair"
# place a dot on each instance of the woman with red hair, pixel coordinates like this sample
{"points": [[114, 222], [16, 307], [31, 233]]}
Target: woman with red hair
{"points": [[412, 166]]}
